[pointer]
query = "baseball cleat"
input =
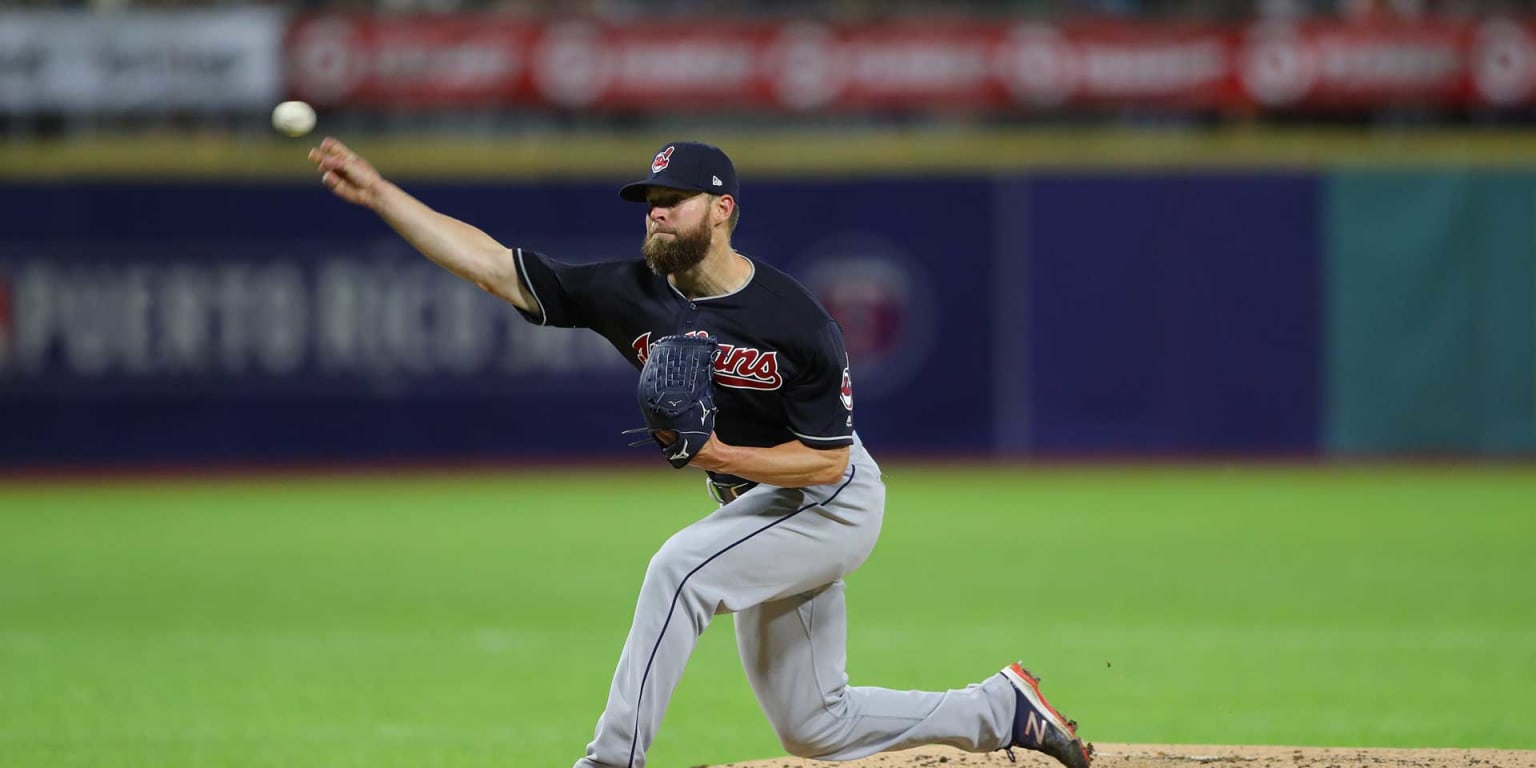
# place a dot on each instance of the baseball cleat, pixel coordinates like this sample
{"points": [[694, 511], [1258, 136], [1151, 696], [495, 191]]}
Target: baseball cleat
{"points": [[1038, 726]]}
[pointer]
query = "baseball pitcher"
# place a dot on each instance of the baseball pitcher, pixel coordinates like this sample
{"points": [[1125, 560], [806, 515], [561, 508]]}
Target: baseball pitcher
{"points": [[742, 375]]}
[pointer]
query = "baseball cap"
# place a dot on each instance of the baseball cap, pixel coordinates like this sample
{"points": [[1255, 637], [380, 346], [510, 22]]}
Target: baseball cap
{"points": [[687, 165]]}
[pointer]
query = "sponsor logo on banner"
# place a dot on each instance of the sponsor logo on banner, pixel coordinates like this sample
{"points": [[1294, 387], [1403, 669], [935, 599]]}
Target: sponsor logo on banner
{"points": [[804, 66], [1361, 65], [197, 59], [872, 287], [1038, 65], [427, 62], [648, 65], [327, 60], [1277, 67], [1043, 65], [1504, 62], [377, 324], [570, 66]]}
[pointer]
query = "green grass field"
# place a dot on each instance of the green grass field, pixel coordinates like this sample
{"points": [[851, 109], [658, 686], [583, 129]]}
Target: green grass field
{"points": [[474, 620]]}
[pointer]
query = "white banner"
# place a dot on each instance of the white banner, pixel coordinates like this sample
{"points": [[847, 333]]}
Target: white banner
{"points": [[141, 61]]}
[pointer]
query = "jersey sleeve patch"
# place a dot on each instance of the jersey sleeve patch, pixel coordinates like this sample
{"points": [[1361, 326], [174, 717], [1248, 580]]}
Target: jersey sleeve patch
{"points": [[819, 401]]}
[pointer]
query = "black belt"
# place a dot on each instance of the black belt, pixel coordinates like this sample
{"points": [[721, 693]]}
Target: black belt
{"points": [[728, 488]]}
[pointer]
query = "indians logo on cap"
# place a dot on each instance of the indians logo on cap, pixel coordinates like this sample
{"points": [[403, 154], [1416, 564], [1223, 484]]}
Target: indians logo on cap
{"points": [[663, 158]]}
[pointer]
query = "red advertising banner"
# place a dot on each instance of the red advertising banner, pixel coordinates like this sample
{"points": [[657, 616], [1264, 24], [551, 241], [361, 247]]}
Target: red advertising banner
{"points": [[470, 61]]}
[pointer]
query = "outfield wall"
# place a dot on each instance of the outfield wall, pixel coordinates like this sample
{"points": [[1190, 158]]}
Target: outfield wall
{"points": [[1168, 311]]}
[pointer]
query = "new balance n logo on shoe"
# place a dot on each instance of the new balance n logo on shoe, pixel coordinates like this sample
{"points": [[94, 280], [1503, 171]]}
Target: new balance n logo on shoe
{"points": [[1035, 728]]}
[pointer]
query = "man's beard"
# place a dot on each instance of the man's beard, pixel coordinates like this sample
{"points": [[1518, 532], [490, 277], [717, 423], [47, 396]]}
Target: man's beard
{"points": [[682, 252]]}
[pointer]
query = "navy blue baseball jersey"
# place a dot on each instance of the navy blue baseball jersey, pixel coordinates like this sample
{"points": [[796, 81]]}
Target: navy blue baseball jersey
{"points": [[782, 372]]}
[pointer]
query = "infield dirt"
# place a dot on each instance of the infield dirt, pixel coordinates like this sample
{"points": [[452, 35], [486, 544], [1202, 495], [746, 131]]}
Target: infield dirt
{"points": [[1188, 756]]}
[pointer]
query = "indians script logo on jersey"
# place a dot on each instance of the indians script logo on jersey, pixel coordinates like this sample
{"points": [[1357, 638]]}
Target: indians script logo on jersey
{"points": [[735, 367], [662, 160]]}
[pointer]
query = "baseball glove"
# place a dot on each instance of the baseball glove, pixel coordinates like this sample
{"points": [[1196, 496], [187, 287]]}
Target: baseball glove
{"points": [[677, 396]]}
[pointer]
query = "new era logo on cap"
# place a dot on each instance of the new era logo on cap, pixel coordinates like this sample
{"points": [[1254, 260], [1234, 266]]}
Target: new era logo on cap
{"points": [[687, 165]]}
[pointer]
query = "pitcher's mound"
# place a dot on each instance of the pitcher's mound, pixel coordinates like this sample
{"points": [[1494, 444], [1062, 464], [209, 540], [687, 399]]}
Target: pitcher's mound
{"points": [[1187, 756]]}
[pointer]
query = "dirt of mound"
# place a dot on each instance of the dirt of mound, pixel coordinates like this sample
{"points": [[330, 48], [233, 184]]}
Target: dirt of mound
{"points": [[1187, 756]]}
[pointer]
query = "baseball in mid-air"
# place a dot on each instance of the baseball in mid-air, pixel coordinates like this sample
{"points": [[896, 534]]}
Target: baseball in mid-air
{"points": [[293, 118]]}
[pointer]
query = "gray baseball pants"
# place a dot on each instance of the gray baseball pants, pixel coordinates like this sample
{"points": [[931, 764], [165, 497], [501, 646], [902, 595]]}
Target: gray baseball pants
{"points": [[776, 557]]}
